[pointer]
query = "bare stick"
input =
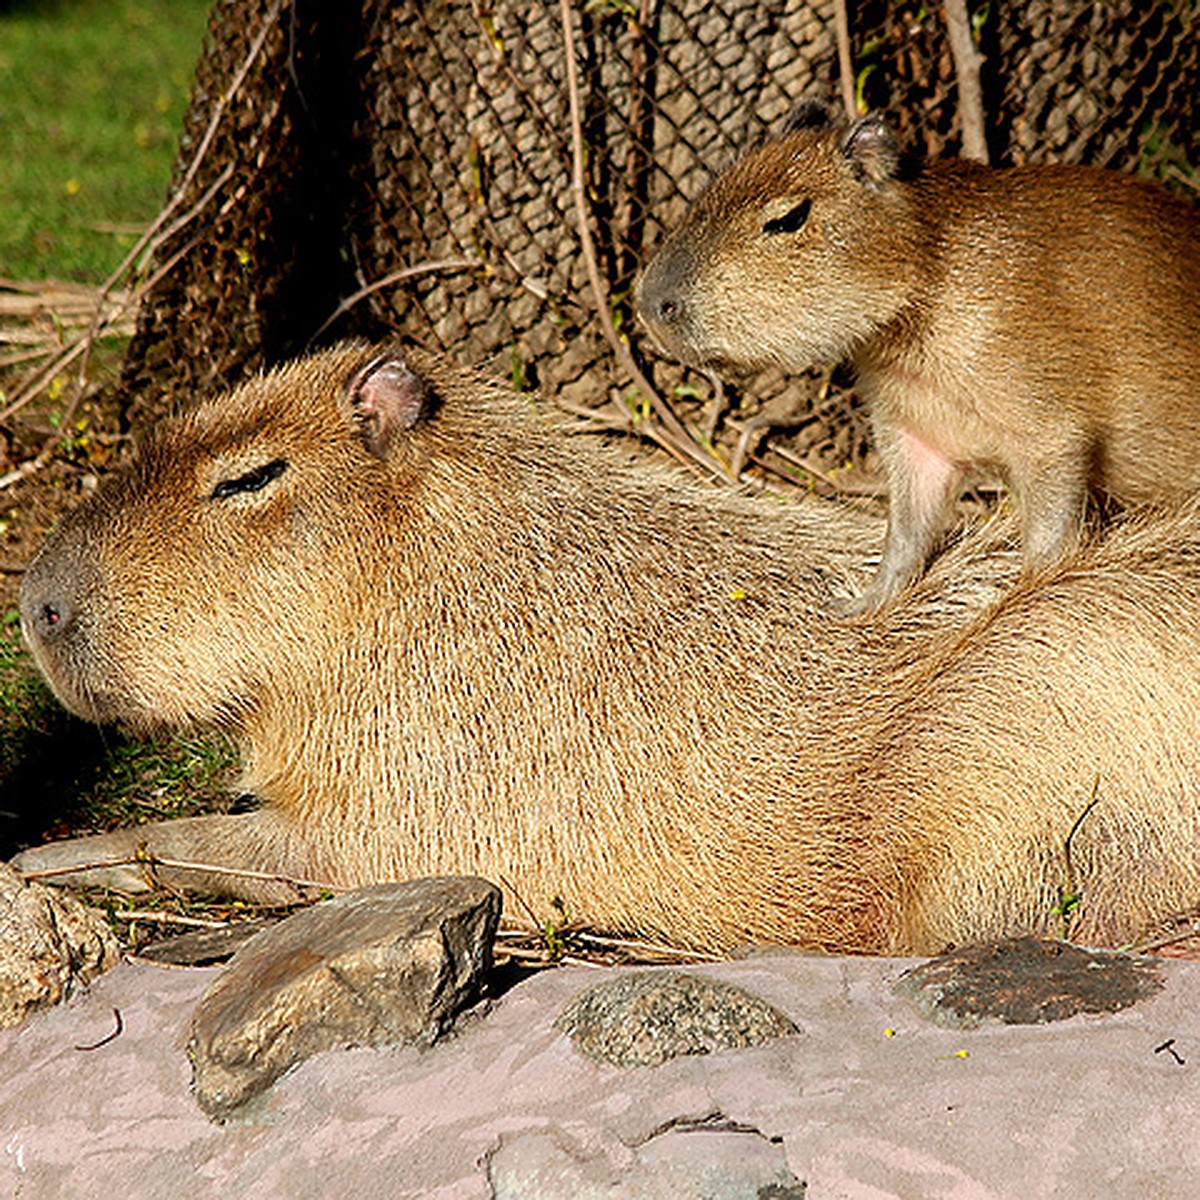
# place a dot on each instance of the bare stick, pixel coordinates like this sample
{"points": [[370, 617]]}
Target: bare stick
{"points": [[425, 268], [150, 239], [967, 61], [682, 440], [118, 1029], [149, 860], [71, 352], [643, 947], [102, 322], [158, 916], [201, 153], [1160, 943], [716, 407], [841, 25]]}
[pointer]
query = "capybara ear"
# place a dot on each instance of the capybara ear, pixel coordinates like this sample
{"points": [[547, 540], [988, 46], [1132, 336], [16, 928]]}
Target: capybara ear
{"points": [[807, 114], [386, 397], [871, 149]]}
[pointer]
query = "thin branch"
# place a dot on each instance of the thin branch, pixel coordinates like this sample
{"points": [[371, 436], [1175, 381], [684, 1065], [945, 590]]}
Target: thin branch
{"points": [[674, 428], [158, 916], [619, 417], [118, 1029], [646, 947], [516, 895], [68, 355], [175, 864], [425, 268], [841, 25], [206, 141], [967, 62], [159, 231], [1152, 945], [716, 407], [150, 239]]}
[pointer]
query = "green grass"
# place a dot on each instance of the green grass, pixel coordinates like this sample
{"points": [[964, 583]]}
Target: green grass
{"points": [[92, 95], [26, 705], [153, 781], [62, 776]]}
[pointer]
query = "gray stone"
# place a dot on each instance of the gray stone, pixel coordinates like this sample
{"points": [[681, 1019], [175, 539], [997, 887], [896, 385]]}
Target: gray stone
{"points": [[205, 947], [384, 965], [710, 1160], [1027, 981], [50, 943], [644, 1018]]}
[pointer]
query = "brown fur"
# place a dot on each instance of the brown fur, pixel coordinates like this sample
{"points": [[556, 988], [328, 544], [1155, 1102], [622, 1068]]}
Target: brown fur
{"points": [[468, 644], [1043, 322]]}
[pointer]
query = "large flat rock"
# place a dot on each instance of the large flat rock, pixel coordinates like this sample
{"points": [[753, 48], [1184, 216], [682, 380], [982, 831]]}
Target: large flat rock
{"points": [[869, 1100]]}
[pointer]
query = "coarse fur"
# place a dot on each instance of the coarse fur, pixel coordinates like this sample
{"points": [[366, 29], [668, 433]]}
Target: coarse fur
{"points": [[1042, 322], [461, 642]]}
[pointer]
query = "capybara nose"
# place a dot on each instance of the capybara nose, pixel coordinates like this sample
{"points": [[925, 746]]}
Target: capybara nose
{"points": [[47, 610], [47, 617], [660, 293], [658, 304]]}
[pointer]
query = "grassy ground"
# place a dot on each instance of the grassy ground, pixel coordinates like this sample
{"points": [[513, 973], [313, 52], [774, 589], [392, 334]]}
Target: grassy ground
{"points": [[92, 94]]}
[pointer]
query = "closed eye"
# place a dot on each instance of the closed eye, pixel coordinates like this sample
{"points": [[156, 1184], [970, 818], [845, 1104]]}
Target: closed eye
{"points": [[251, 481], [791, 221]]}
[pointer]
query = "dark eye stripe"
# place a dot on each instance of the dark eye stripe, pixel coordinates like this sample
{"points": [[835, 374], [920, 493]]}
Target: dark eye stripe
{"points": [[252, 481], [790, 221]]}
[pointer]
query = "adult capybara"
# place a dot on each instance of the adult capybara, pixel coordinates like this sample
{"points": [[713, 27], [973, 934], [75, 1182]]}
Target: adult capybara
{"points": [[1039, 321], [450, 639]]}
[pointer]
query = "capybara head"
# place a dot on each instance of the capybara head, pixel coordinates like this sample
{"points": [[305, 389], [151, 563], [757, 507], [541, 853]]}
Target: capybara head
{"points": [[812, 213], [186, 584]]}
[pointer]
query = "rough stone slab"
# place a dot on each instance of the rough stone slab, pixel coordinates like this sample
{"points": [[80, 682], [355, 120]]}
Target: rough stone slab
{"points": [[873, 1102], [383, 965], [644, 1018], [50, 943], [1027, 981], [708, 1161]]}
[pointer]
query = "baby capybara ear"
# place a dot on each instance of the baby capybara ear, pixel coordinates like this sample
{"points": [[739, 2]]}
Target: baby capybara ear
{"points": [[387, 397]]}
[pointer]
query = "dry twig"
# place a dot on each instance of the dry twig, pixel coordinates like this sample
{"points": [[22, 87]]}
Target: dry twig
{"points": [[158, 916], [424, 268], [672, 432], [841, 25], [152, 862], [527, 945], [967, 61], [118, 1029]]}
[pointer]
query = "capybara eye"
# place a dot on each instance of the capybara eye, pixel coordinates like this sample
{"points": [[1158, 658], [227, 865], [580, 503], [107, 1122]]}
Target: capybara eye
{"points": [[252, 481], [791, 220]]}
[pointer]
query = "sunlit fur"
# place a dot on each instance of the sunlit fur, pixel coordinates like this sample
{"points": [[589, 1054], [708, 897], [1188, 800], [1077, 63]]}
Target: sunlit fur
{"points": [[1039, 323], [507, 652]]}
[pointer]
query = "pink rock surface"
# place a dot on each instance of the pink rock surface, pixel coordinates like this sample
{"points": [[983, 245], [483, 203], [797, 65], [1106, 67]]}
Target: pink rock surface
{"points": [[1083, 1108]]}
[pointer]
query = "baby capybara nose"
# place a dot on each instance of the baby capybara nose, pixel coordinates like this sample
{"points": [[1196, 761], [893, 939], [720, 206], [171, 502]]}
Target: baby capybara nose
{"points": [[661, 289]]}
